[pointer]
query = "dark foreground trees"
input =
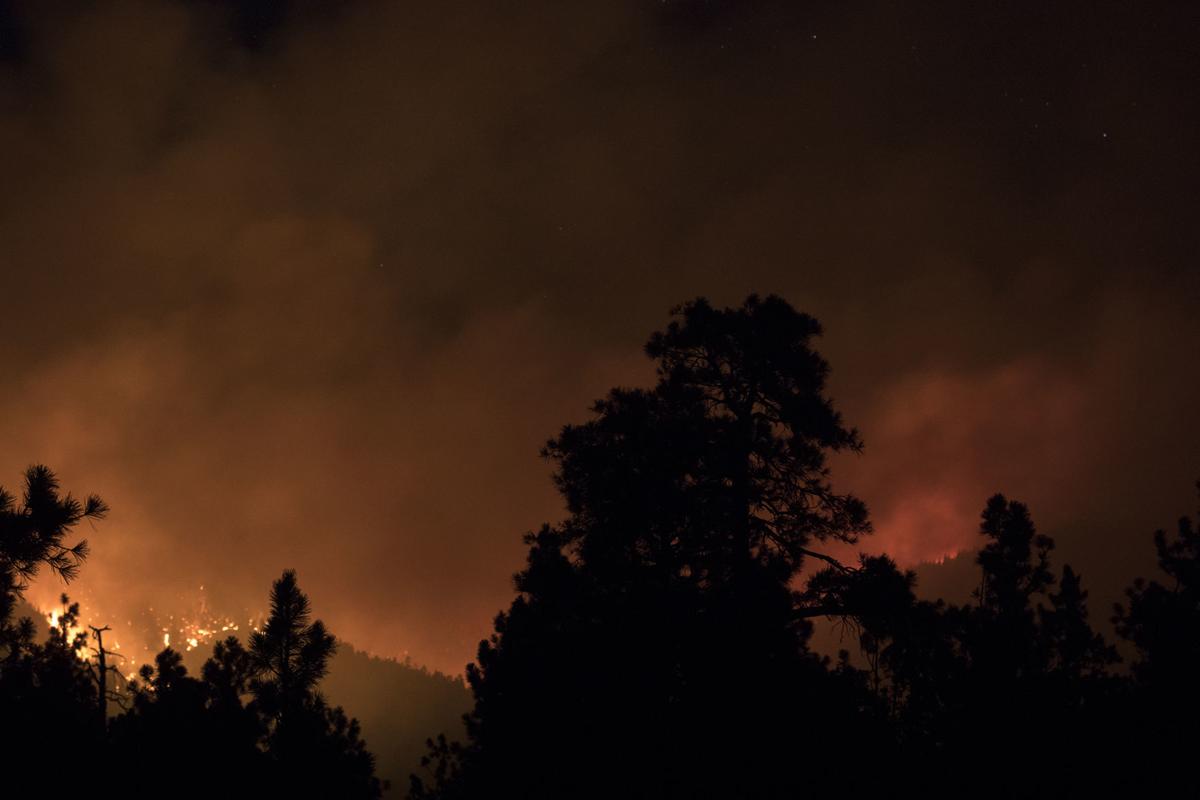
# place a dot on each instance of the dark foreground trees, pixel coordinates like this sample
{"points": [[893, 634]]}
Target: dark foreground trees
{"points": [[316, 749], [656, 648], [658, 643], [252, 724], [1161, 619], [1004, 697], [48, 699], [257, 712]]}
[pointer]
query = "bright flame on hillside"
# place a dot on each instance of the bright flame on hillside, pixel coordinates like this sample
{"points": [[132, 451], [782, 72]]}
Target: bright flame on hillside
{"points": [[195, 630], [72, 631]]}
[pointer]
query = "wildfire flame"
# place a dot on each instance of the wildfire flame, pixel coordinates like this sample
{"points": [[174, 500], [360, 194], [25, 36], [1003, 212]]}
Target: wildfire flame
{"points": [[196, 630]]}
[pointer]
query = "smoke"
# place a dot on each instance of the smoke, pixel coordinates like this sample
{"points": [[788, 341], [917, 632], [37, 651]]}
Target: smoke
{"points": [[310, 290]]}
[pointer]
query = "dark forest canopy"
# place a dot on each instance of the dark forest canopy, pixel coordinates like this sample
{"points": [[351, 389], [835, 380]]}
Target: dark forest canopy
{"points": [[659, 644]]}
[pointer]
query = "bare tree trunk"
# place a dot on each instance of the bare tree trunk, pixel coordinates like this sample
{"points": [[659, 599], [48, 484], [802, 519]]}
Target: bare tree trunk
{"points": [[101, 676]]}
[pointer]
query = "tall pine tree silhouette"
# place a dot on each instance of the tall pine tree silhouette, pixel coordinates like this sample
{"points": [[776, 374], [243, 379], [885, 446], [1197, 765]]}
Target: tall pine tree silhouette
{"points": [[317, 750], [656, 647], [46, 692]]}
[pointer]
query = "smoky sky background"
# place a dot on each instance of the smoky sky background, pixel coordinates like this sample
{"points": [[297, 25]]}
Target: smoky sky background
{"points": [[308, 284]]}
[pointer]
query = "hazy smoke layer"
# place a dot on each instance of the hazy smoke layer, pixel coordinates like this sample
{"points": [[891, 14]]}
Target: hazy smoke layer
{"points": [[310, 289]]}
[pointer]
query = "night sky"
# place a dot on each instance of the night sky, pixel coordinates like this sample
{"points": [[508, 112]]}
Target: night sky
{"points": [[309, 284]]}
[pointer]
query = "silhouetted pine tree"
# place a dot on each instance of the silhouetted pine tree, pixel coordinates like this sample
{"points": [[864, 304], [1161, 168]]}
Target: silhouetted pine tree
{"points": [[316, 749], [290, 654], [1003, 698], [655, 648], [33, 534], [47, 697], [1161, 620], [256, 712], [183, 737], [1076, 653]]}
